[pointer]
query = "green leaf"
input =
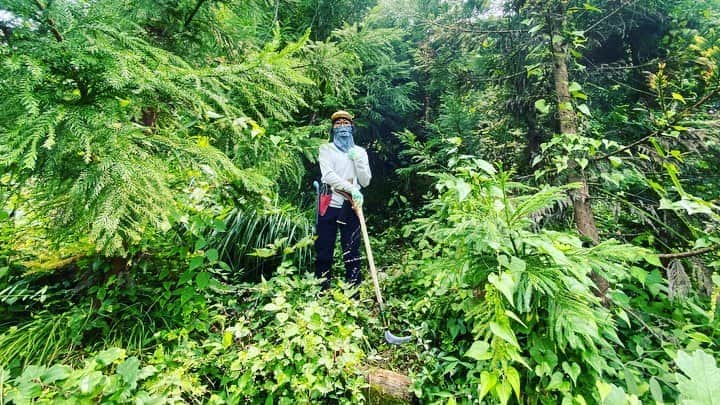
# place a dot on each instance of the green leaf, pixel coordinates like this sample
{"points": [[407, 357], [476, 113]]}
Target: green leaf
{"points": [[202, 280], [653, 259], [488, 380], [590, 7], [656, 391], [504, 332], [129, 371], [55, 373], [503, 391], [212, 255], [480, 350], [504, 284], [702, 384], [463, 189], [678, 97], [200, 243], [485, 166], [630, 382], [535, 29], [573, 370], [583, 108], [574, 86], [196, 262], [513, 377], [107, 357], [541, 105], [90, 382], [227, 339]]}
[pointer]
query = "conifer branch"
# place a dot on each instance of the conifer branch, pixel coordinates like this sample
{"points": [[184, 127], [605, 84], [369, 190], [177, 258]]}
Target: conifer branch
{"points": [[53, 28], [190, 17]]}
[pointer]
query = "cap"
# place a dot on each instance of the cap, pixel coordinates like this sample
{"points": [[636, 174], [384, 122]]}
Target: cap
{"points": [[341, 114]]}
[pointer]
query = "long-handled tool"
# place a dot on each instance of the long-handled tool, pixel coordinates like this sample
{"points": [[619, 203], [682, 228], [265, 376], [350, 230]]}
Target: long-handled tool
{"points": [[317, 205], [389, 337]]}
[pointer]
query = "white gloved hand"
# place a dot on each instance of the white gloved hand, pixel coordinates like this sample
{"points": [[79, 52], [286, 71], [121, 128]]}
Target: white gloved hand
{"points": [[357, 198], [353, 153]]}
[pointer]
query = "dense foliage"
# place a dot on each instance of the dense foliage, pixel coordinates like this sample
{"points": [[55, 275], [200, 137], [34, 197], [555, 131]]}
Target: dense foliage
{"points": [[544, 201]]}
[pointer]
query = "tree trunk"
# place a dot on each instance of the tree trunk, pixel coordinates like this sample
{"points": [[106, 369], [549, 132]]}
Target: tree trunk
{"points": [[584, 219]]}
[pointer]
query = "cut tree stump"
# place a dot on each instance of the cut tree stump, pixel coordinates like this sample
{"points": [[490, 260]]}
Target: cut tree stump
{"points": [[388, 388]]}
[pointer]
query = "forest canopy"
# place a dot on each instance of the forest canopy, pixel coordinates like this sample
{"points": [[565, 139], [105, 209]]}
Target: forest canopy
{"points": [[544, 206]]}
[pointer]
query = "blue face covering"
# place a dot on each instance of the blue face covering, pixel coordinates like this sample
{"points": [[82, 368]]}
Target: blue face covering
{"points": [[343, 137]]}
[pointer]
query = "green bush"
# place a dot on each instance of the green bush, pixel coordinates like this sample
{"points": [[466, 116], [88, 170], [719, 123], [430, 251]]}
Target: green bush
{"points": [[288, 346], [507, 307]]}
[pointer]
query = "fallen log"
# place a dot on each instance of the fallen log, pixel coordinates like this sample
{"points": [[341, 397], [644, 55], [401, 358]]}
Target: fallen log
{"points": [[387, 387]]}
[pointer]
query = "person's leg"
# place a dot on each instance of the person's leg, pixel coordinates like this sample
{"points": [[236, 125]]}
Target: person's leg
{"points": [[350, 242], [325, 245]]}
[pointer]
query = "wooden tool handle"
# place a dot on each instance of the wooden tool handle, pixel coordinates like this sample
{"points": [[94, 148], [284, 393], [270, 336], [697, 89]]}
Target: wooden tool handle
{"points": [[368, 250]]}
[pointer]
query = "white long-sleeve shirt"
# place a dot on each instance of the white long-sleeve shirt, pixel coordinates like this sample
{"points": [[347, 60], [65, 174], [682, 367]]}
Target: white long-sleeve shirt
{"points": [[341, 173]]}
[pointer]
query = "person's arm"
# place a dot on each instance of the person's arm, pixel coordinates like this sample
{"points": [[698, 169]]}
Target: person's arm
{"points": [[328, 174], [362, 167]]}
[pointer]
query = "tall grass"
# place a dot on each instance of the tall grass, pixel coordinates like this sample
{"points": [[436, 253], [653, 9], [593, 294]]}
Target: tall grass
{"points": [[45, 338], [256, 229]]}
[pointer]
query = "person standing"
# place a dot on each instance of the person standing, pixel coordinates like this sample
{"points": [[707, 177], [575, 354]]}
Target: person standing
{"points": [[344, 167]]}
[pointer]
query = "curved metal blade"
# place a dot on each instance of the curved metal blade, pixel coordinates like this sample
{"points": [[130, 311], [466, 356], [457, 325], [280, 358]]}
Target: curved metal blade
{"points": [[396, 340]]}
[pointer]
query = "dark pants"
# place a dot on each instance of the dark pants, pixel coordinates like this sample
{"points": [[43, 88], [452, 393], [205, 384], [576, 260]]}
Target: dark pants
{"points": [[328, 224]]}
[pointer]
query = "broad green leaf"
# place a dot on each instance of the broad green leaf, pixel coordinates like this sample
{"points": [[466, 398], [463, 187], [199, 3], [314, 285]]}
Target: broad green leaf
{"points": [[488, 380], [652, 259], [200, 243], [227, 339], [678, 97], [504, 332], [90, 382], [55, 373], [583, 108], [573, 370], [212, 255], [656, 391], [480, 350], [463, 189], [503, 391], [542, 106], [512, 315], [196, 262], [486, 166], [700, 383], [129, 371], [590, 7], [630, 382], [202, 280], [574, 86], [107, 357], [505, 284], [513, 377], [535, 29]]}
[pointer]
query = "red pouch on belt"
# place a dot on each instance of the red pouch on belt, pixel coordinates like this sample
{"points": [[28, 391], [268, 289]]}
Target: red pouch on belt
{"points": [[325, 199]]}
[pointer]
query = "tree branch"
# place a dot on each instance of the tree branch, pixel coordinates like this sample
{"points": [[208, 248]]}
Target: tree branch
{"points": [[473, 31], [53, 28], [677, 118], [610, 14], [189, 19], [690, 253]]}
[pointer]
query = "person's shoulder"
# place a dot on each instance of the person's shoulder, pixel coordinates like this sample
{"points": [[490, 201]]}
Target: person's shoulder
{"points": [[327, 147]]}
